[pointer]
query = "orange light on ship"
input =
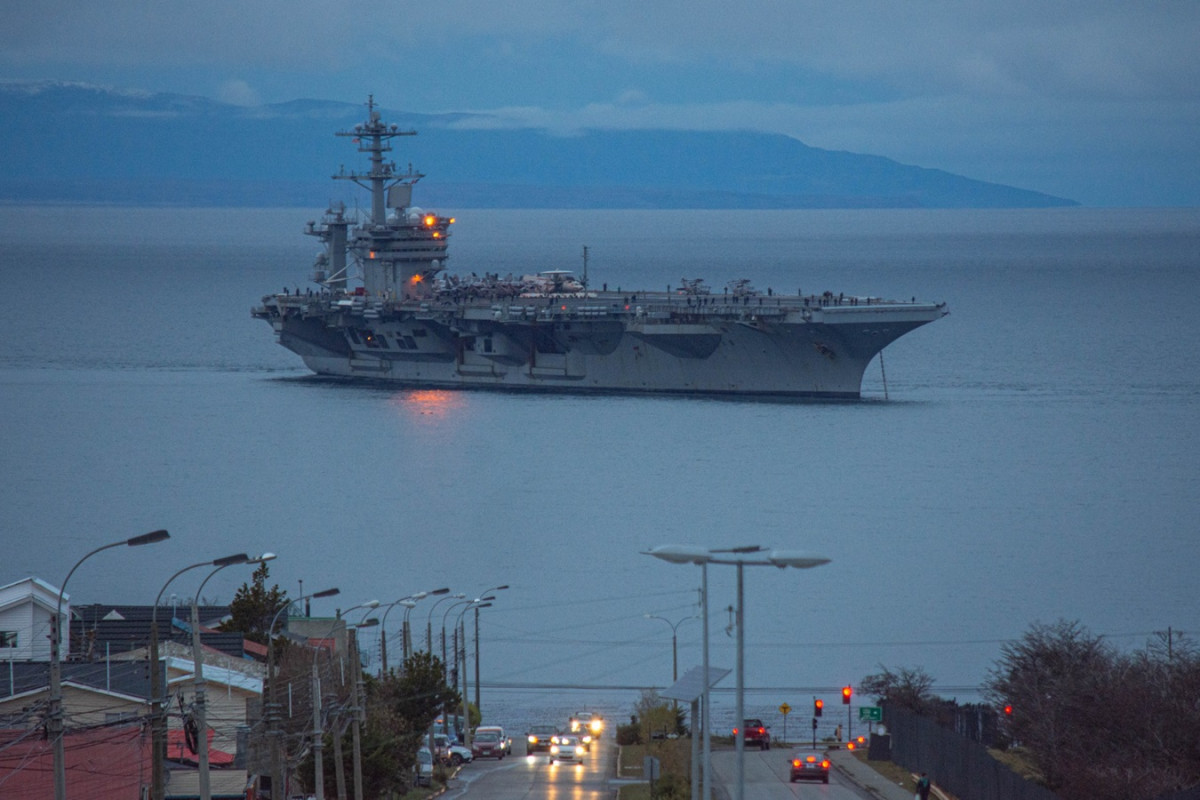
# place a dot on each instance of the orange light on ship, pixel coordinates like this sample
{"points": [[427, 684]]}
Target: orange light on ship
{"points": [[430, 220], [416, 279], [437, 234]]}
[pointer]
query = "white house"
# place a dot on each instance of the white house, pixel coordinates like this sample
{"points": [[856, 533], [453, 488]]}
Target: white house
{"points": [[26, 611]]}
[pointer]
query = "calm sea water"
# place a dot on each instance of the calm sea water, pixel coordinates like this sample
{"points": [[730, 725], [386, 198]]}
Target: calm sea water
{"points": [[1036, 459]]}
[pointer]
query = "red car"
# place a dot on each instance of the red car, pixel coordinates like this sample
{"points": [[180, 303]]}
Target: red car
{"points": [[756, 734]]}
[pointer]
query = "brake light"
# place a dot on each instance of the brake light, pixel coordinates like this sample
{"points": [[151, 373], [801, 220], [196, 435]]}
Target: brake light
{"points": [[825, 763]]}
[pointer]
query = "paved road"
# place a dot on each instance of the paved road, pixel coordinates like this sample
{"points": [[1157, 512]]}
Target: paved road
{"points": [[768, 778], [533, 777]]}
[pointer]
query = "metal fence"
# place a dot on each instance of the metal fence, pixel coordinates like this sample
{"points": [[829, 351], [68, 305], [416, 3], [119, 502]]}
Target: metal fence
{"points": [[954, 762]]}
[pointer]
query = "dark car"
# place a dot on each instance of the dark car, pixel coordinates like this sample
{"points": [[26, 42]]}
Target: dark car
{"points": [[540, 737], [810, 765], [755, 734]]}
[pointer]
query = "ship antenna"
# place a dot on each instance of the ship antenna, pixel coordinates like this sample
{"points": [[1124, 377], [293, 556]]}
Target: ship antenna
{"points": [[585, 256]]}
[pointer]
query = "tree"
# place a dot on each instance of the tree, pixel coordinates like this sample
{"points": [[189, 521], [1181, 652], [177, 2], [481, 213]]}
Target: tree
{"points": [[1100, 724], [906, 688], [254, 606]]}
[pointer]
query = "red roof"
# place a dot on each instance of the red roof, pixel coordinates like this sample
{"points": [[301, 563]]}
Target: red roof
{"points": [[109, 763], [178, 750]]}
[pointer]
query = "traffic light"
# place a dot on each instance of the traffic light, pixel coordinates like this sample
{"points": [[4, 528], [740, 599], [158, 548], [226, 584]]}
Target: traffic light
{"points": [[1008, 710], [846, 692], [818, 707]]}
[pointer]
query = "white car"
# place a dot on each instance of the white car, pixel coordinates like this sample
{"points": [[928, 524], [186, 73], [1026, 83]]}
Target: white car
{"points": [[567, 748], [451, 752]]}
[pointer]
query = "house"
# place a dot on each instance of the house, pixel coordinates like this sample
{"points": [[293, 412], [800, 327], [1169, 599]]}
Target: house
{"points": [[26, 611]]}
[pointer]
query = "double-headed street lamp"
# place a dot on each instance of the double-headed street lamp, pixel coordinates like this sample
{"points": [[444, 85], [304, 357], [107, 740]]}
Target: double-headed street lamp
{"points": [[674, 641], [54, 723], [740, 557], [158, 720]]}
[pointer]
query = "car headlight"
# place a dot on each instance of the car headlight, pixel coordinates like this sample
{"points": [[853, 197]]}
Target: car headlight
{"points": [[554, 749], [597, 725], [532, 739]]}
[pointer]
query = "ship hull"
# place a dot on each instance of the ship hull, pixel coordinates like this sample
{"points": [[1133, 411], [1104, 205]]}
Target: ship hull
{"points": [[799, 352]]}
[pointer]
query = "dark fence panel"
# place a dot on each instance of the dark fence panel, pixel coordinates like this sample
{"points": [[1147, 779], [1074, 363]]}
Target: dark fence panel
{"points": [[955, 763]]}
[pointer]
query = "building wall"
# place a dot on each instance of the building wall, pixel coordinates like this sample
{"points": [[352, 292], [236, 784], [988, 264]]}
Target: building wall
{"points": [[26, 608]]}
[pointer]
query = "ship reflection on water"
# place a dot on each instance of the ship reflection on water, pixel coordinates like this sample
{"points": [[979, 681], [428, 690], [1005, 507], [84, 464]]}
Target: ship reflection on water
{"points": [[437, 403]]}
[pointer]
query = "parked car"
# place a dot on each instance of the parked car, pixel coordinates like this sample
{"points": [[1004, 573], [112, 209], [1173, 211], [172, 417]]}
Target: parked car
{"points": [[540, 737], [567, 748], [424, 767], [490, 742], [450, 751], [755, 734], [810, 765]]}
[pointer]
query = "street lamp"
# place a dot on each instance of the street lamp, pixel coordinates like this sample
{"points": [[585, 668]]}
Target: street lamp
{"points": [[429, 624], [271, 704], [198, 663], [449, 608], [740, 557], [460, 633], [409, 603], [357, 719], [54, 723], [489, 591], [158, 720], [674, 641]]}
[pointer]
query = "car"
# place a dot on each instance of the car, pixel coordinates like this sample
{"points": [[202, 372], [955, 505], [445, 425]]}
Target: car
{"points": [[755, 734], [449, 751], [540, 737], [567, 748], [810, 765], [587, 724], [490, 742], [424, 767]]}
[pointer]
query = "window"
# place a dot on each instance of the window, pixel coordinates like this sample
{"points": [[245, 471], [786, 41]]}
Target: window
{"points": [[8, 638]]}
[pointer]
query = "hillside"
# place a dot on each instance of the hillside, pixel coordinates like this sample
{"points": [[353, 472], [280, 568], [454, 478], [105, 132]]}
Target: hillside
{"points": [[65, 142]]}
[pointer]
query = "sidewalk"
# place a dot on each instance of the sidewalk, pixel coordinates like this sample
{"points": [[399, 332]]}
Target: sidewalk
{"points": [[867, 778]]}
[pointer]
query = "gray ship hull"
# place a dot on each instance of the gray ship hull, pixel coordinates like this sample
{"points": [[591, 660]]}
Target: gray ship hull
{"points": [[786, 350], [404, 320]]}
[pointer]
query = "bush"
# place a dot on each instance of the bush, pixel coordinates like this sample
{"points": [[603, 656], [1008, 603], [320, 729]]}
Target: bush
{"points": [[629, 734], [672, 786]]}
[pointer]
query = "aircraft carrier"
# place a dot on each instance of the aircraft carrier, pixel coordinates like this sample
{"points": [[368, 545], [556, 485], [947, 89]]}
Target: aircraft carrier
{"points": [[384, 309]]}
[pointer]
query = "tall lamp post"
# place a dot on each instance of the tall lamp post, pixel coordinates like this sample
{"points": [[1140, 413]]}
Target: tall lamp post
{"points": [[273, 720], [200, 692], [158, 720], [357, 720], [489, 591], [461, 634], [409, 603], [739, 557], [429, 624], [54, 723], [674, 641]]}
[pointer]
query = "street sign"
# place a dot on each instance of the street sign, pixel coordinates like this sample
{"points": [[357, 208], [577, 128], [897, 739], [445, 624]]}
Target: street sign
{"points": [[784, 709], [870, 714]]}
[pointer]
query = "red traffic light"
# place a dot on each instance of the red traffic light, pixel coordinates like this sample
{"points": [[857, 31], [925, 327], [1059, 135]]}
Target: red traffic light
{"points": [[846, 692], [818, 707], [1008, 710]]}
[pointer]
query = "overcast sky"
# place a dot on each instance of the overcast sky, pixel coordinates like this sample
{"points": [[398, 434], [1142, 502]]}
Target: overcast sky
{"points": [[1097, 101]]}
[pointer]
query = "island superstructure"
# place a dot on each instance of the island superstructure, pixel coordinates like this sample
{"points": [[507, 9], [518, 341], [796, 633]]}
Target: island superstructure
{"points": [[385, 309]]}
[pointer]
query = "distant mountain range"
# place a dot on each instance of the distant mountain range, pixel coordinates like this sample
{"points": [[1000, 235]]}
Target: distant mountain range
{"points": [[75, 143]]}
